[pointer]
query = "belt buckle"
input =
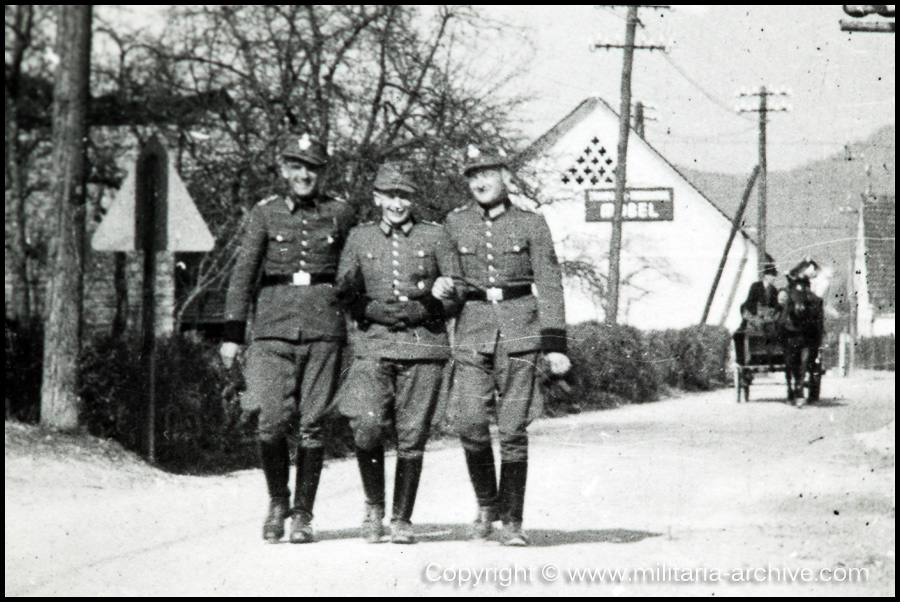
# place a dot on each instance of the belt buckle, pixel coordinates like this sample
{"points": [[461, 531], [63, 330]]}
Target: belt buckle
{"points": [[300, 278], [494, 295]]}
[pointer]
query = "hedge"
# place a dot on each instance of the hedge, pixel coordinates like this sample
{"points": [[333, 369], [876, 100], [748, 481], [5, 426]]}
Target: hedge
{"points": [[200, 426]]}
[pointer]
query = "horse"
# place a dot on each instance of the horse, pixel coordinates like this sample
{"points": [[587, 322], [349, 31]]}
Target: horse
{"points": [[803, 327]]}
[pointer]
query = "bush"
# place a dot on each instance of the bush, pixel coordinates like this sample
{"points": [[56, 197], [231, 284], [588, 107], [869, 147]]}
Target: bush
{"points": [[701, 358], [609, 367], [197, 411], [612, 365]]}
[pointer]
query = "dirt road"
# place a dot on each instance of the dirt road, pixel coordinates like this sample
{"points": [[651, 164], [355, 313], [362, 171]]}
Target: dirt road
{"points": [[700, 495]]}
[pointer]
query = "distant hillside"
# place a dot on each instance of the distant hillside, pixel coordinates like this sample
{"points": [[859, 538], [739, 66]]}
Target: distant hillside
{"points": [[803, 217]]}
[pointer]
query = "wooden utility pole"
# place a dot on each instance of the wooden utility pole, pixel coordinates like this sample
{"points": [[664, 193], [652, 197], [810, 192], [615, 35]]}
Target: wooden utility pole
{"points": [[764, 109], [762, 188], [615, 241], [60, 403]]}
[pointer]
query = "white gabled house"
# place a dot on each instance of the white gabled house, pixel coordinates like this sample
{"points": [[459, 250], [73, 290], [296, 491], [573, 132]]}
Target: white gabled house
{"points": [[673, 237]]}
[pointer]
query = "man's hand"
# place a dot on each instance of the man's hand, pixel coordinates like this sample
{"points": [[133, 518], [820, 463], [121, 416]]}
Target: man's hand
{"points": [[443, 288], [559, 363], [386, 313], [228, 351]]}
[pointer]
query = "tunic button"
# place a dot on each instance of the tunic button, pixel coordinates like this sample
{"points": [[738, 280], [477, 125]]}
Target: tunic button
{"points": [[490, 256], [492, 268], [421, 285], [396, 293], [304, 243], [396, 273], [396, 283], [492, 279], [279, 238], [489, 245], [303, 252], [305, 232], [305, 222], [488, 223], [396, 253], [488, 233], [395, 262], [395, 243], [302, 262]]}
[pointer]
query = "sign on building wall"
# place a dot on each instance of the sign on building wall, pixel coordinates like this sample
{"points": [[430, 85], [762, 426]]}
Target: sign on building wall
{"points": [[641, 205]]}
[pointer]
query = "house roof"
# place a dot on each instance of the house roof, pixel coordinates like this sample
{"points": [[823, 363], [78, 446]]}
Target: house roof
{"points": [[878, 230], [570, 121]]}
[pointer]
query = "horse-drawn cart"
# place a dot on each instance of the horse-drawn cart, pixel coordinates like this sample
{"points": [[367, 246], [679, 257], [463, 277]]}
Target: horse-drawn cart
{"points": [[766, 353]]}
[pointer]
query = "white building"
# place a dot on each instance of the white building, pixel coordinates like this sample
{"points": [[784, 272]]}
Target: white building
{"points": [[673, 237]]}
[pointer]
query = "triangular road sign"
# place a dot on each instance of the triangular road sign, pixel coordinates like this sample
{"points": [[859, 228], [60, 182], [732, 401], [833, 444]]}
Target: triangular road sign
{"points": [[185, 228]]}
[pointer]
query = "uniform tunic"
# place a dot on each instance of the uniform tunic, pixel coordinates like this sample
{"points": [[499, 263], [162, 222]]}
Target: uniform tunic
{"points": [[500, 248], [504, 251], [288, 261], [395, 376]]}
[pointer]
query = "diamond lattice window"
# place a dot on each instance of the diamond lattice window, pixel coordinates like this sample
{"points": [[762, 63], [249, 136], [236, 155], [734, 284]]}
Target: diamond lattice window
{"points": [[594, 167]]}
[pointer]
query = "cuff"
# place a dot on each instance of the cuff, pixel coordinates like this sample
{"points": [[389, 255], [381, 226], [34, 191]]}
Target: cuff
{"points": [[234, 331], [553, 340], [433, 307]]}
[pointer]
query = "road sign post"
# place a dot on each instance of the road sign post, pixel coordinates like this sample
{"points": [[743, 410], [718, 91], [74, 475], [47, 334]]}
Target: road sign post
{"points": [[151, 213]]}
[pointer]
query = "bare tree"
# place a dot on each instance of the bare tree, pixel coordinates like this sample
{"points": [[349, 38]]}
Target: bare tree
{"points": [[376, 82], [27, 95], [62, 339]]}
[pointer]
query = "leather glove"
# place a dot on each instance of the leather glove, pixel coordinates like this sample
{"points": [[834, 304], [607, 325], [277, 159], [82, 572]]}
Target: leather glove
{"points": [[381, 312]]}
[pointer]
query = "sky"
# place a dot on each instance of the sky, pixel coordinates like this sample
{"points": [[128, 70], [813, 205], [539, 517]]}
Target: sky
{"points": [[842, 84]]}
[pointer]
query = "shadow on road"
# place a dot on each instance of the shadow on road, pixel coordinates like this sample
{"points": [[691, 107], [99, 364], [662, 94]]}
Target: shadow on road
{"points": [[433, 532], [822, 403]]}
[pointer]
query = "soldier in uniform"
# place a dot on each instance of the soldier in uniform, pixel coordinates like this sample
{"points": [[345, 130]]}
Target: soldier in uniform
{"points": [[513, 313], [392, 274], [287, 262]]}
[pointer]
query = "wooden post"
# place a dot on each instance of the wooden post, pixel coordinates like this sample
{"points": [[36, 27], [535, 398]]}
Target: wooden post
{"points": [[735, 226], [150, 237], [60, 402], [615, 241], [761, 210]]}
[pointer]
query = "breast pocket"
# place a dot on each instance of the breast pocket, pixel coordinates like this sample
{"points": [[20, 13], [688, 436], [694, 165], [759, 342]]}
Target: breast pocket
{"points": [[281, 246], [517, 258], [425, 265], [468, 258]]}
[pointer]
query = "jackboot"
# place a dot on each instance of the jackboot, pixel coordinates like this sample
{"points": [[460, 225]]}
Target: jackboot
{"points": [[406, 485], [483, 475], [371, 470], [513, 476], [309, 469], [276, 468]]}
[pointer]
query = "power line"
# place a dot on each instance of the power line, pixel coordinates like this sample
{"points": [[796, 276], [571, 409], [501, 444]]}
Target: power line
{"points": [[702, 90]]}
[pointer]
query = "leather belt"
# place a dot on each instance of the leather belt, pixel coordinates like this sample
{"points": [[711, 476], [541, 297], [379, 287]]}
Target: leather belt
{"points": [[298, 279], [497, 294]]}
